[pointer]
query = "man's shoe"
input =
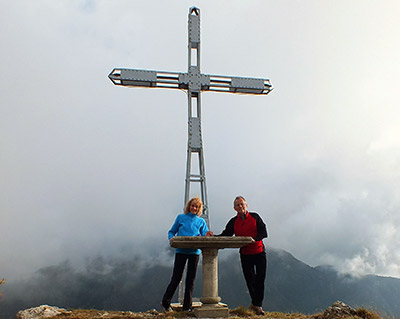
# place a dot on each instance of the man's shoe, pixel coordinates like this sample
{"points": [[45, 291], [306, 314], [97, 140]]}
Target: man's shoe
{"points": [[257, 309], [165, 308]]}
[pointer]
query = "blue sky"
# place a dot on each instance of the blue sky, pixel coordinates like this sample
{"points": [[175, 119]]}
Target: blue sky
{"points": [[90, 168]]}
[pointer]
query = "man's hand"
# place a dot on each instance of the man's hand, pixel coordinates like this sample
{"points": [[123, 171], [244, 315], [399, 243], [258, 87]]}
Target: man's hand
{"points": [[209, 233]]}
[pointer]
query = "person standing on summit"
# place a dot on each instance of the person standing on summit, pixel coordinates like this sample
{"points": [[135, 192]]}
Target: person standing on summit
{"points": [[187, 224], [252, 256]]}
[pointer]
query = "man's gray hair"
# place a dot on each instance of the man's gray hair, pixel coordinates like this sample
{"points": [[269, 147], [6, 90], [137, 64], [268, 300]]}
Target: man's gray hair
{"points": [[239, 197]]}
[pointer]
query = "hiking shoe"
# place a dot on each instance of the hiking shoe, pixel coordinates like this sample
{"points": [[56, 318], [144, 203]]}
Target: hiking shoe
{"points": [[256, 309], [165, 309]]}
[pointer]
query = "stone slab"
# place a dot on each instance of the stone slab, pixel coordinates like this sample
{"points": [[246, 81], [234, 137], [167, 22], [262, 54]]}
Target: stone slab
{"points": [[219, 310], [178, 306], [209, 242]]}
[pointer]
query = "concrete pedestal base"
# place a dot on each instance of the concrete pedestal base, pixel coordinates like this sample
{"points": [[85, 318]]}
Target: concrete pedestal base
{"points": [[219, 310]]}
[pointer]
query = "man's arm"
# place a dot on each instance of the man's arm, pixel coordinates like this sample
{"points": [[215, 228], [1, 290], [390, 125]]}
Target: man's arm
{"points": [[261, 227], [228, 231]]}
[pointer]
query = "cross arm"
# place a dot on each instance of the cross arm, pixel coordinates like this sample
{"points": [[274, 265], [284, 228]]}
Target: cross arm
{"points": [[144, 78], [241, 85], [193, 81]]}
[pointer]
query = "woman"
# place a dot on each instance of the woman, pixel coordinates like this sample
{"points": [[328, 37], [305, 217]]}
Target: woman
{"points": [[187, 224]]}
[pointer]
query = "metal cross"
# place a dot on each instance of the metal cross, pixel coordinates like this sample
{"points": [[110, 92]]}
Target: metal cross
{"points": [[193, 82]]}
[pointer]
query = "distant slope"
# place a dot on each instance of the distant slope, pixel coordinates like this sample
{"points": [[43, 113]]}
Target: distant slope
{"points": [[291, 286]]}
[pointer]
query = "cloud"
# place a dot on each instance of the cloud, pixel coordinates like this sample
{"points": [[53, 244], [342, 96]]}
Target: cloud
{"points": [[88, 167]]}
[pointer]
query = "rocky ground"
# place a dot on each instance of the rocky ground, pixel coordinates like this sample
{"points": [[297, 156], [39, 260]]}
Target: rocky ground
{"points": [[338, 310]]}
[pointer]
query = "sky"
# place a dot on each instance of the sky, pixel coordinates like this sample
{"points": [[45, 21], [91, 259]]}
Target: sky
{"points": [[89, 168]]}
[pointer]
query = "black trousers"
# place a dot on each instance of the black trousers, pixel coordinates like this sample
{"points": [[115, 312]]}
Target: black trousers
{"points": [[254, 270], [179, 266]]}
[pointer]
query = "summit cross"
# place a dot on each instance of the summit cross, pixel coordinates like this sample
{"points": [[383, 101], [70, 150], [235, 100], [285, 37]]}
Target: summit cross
{"points": [[193, 82]]}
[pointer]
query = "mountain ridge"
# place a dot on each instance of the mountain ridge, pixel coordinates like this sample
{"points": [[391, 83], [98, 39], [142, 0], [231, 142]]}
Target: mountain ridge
{"points": [[131, 285]]}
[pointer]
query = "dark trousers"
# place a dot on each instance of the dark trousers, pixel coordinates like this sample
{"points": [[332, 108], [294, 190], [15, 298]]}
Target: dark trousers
{"points": [[179, 267], [254, 270]]}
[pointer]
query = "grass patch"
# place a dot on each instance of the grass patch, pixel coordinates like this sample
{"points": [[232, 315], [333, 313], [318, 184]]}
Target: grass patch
{"points": [[367, 314], [104, 314], [241, 312], [360, 313], [237, 313], [244, 312]]}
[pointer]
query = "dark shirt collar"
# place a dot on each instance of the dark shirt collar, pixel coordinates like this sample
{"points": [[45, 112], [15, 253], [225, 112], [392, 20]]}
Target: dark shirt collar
{"points": [[244, 216]]}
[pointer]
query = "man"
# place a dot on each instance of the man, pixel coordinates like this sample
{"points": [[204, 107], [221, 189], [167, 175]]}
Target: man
{"points": [[252, 256]]}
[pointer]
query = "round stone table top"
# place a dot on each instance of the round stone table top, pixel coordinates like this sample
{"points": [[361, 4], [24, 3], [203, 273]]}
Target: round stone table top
{"points": [[210, 242]]}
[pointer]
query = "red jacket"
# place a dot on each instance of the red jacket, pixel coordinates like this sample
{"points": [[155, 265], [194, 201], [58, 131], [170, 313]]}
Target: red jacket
{"points": [[253, 226]]}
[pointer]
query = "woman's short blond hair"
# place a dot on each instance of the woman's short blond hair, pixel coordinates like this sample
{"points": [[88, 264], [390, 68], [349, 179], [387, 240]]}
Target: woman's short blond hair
{"points": [[195, 200]]}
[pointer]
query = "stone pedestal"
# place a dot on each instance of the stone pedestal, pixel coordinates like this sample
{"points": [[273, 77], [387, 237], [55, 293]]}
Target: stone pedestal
{"points": [[210, 276], [211, 306]]}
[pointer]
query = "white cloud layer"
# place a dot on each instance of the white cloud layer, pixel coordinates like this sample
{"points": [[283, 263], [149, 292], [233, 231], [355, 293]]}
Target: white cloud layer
{"points": [[88, 168]]}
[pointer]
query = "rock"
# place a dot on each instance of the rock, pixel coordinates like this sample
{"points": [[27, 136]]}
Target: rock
{"points": [[338, 310], [43, 311]]}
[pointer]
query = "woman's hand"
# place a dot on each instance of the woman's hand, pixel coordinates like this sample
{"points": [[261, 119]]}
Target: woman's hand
{"points": [[209, 233]]}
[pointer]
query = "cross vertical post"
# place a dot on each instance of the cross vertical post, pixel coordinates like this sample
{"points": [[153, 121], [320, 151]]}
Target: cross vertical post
{"points": [[195, 142]]}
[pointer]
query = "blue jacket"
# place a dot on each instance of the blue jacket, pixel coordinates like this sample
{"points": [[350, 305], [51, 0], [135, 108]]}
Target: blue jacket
{"points": [[188, 225]]}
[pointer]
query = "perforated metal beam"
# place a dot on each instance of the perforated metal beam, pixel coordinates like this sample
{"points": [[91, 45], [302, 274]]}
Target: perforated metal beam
{"points": [[197, 81]]}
